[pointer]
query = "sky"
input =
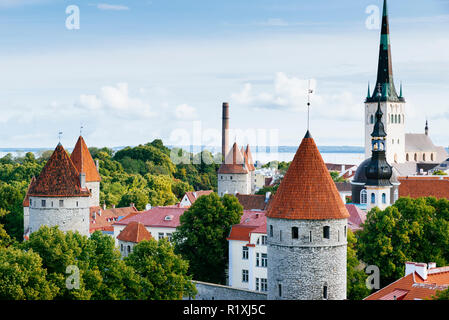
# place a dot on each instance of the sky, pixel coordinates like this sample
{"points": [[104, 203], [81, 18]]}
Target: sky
{"points": [[133, 71]]}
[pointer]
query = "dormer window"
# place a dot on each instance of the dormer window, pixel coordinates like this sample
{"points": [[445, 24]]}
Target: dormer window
{"points": [[168, 218]]}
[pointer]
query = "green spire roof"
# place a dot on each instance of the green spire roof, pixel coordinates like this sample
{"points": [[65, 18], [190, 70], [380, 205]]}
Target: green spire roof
{"points": [[385, 65]]}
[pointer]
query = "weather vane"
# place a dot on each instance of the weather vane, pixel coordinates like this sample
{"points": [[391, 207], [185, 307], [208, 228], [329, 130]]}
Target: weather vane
{"points": [[59, 136], [309, 92]]}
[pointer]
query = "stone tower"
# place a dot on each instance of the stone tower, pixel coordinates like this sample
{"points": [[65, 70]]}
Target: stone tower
{"points": [[392, 105], [378, 172], [307, 229], [59, 196], [84, 163]]}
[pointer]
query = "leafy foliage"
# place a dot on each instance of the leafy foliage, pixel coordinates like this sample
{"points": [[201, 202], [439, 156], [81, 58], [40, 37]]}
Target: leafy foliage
{"points": [[201, 237], [356, 283]]}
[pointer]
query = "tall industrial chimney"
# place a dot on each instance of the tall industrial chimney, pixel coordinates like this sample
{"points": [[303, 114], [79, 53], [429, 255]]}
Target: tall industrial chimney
{"points": [[225, 132]]}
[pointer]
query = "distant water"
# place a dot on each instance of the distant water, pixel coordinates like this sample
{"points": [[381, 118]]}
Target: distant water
{"points": [[339, 155]]}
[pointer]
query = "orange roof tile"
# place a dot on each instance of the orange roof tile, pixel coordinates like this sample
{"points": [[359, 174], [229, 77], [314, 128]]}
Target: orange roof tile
{"points": [[307, 190], [252, 201], [83, 161], [104, 219], [234, 162], [424, 187], [134, 232], [193, 195], [58, 178], [249, 159]]}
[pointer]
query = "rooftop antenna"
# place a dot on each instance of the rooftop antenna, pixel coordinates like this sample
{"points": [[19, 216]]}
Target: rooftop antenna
{"points": [[309, 92]]}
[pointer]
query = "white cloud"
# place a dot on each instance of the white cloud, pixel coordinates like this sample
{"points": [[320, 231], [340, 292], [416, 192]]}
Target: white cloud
{"points": [[115, 101], [290, 94], [114, 7], [185, 112]]}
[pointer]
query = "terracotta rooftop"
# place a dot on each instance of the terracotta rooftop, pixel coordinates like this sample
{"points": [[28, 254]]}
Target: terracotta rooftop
{"points": [[415, 187], [193, 195], [249, 159], [26, 201], [307, 191], [252, 201], [234, 162], [134, 232], [413, 286], [58, 178], [356, 217], [103, 220], [83, 161], [251, 222], [167, 217]]}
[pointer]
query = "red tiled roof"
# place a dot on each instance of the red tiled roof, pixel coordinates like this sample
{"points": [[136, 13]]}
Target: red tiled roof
{"points": [[414, 286], [356, 217], [134, 232], [104, 219], [252, 201], [234, 162], [424, 187], [249, 159], [26, 201], [193, 195], [83, 161], [307, 190], [58, 178], [167, 217], [251, 222]]}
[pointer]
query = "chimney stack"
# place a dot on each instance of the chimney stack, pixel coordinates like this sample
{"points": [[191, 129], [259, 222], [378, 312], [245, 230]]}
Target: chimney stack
{"points": [[225, 131]]}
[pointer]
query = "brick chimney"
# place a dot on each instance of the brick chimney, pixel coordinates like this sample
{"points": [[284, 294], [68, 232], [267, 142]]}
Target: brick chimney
{"points": [[419, 268], [225, 131]]}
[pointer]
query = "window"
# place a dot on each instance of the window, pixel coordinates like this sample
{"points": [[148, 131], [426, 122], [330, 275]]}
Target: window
{"points": [[77, 203], [295, 234], [245, 253], [407, 157], [338, 235], [384, 198], [61, 203], [325, 293], [257, 259], [160, 235], [280, 289], [326, 232], [264, 260], [230, 177], [424, 157], [129, 249], [431, 157], [245, 275], [373, 198], [416, 157], [264, 285], [372, 119], [44, 203], [271, 231], [392, 118], [346, 232], [264, 240], [363, 197], [280, 235], [169, 236], [31, 202], [395, 118], [310, 236], [257, 284], [121, 247]]}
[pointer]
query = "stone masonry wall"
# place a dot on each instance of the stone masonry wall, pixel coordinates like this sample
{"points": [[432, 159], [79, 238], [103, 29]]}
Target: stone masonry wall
{"points": [[210, 291]]}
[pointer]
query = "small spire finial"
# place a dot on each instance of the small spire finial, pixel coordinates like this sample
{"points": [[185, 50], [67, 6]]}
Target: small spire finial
{"points": [[59, 136], [81, 130], [309, 92]]}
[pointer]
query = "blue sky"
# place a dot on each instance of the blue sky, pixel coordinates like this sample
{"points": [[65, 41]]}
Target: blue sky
{"points": [[137, 70]]}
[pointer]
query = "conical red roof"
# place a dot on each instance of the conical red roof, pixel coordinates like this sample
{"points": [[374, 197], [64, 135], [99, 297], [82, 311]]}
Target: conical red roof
{"points": [[58, 178], [249, 159], [26, 201], [83, 161], [307, 191], [234, 162]]}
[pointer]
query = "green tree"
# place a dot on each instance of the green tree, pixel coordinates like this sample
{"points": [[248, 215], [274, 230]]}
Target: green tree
{"points": [[356, 283], [441, 295], [201, 236], [137, 196], [22, 276], [163, 273]]}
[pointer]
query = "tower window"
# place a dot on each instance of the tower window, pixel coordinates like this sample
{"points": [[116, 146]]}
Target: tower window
{"points": [[280, 289], [392, 118], [416, 157], [363, 197], [295, 232], [44, 203], [271, 231], [372, 119], [280, 235], [326, 232], [424, 157], [61, 203], [346, 231], [373, 198], [310, 236], [325, 293], [384, 198], [407, 157]]}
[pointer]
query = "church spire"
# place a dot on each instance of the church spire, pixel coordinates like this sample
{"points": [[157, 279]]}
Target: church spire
{"points": [[385, 66]]}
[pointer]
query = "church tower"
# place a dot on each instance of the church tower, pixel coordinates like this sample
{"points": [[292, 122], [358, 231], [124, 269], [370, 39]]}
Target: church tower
{"points": [[307, 232], [392, 105], [378, 171]]}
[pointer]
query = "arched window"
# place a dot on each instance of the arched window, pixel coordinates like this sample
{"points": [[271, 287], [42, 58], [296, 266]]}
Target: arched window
{"points": [[416, 157], [407, 157], [424, 157], [395, 118], [271, 230], [384, 198], [295, 233], [392, 118], [129, 249], [363, 197], [325, 293], [373, 198], [371, 119], [431, 157], [326, 232], [399, 119]]}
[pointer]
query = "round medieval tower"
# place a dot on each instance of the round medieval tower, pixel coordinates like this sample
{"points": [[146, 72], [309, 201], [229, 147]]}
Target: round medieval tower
{"points": [[307, 232]]}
